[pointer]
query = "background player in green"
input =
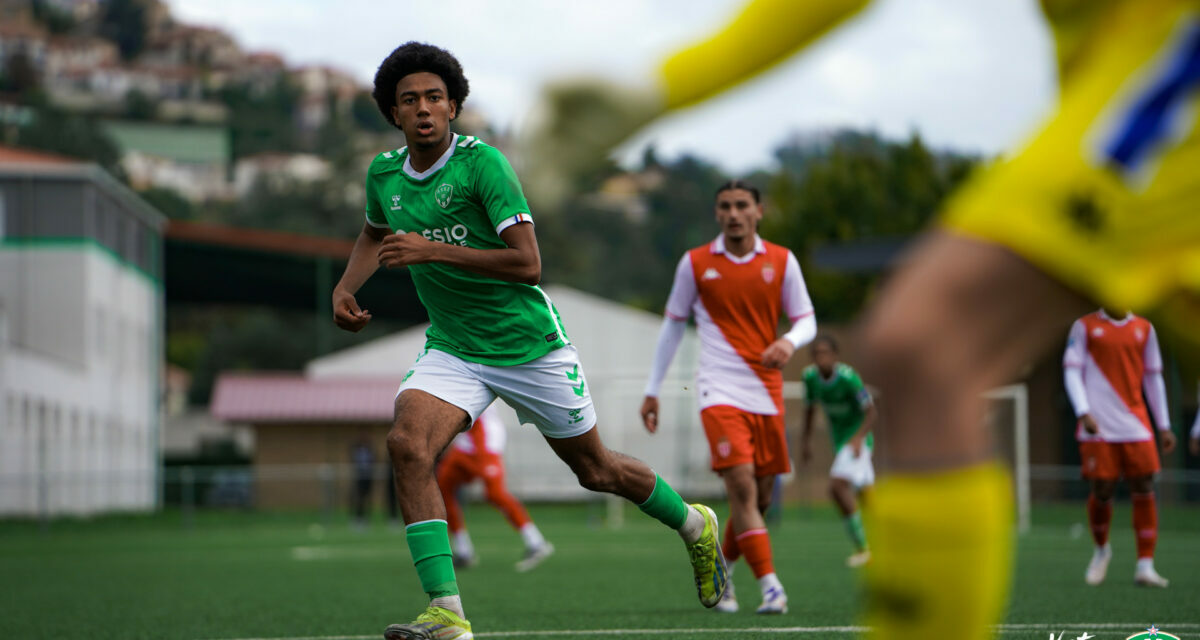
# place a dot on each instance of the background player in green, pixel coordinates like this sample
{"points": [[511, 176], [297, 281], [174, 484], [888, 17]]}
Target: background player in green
{"points": [[851, 415], [451, 209]]}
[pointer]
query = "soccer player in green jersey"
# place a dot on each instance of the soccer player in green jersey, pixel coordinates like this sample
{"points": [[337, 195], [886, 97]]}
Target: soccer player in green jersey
{"points": [[851, 414], [450, 208]]}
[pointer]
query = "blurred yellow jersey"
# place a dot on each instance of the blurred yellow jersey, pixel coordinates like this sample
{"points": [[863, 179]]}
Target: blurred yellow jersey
{"points": [[1106, 196]]}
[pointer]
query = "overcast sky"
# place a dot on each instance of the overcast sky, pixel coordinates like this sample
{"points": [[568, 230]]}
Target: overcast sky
{"points": [[973, 75]]}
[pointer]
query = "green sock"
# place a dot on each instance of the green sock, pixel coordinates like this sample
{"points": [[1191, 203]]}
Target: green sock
{"points": [[854, 527], [665, 505], [429, 544]]}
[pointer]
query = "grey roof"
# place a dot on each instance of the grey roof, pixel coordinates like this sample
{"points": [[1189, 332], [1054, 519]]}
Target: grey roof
{"points": [[88, 172]]}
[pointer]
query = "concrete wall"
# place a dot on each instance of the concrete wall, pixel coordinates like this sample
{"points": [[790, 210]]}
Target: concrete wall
{"points": [[79, 380]]}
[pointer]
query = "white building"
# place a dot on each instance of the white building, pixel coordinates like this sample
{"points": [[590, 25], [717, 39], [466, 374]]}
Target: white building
{"points": [[193, 160], [81, 339]]}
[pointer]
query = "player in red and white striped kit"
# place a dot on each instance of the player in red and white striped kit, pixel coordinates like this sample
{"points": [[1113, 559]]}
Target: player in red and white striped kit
{"points": [[738, 287], [476, 453], [1111, 358]]}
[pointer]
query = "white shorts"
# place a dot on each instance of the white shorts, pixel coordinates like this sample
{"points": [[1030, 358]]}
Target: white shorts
{"points": [[855, 470], [550, 393]]}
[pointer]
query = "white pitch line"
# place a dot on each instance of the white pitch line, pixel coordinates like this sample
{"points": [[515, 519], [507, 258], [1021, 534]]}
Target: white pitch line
{"points": [[341, 553], [1133, 627]]}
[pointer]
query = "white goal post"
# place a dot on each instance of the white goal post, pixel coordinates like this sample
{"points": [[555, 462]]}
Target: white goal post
{"points": [[1018, 395]]}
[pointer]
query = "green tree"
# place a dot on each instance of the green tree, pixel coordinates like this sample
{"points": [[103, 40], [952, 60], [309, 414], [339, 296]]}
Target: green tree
{"points": [[125, 23], [366, 115], [19, 75], [70, 134], [56, 20], [856, 186], [139, 106], [169, 202], [264, 122]]}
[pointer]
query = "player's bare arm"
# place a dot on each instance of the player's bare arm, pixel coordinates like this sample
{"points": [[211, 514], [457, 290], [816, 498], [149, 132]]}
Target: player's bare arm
{"points": [[520, 261], [1166, 440], [649, 413], [806, 435], [856, 442], [1089, 423], [346, 313]]}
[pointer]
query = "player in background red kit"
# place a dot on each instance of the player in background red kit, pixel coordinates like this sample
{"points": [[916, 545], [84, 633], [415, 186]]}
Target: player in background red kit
{"points": [[738, 287], [473, 454], [1111, 358]]}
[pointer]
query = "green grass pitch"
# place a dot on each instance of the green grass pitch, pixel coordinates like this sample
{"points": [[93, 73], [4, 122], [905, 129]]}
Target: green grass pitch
{"points": [[247, 575]]}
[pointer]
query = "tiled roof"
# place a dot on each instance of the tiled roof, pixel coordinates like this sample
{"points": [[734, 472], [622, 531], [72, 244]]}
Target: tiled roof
{"points": [[31, 156], [262, 398]]}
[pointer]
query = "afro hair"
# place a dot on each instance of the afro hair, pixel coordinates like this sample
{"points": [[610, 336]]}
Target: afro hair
{"points": [[414, 57]]}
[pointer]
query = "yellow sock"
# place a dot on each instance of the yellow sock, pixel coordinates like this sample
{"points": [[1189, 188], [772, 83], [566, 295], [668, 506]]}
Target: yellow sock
{"points": [[941, 547]]}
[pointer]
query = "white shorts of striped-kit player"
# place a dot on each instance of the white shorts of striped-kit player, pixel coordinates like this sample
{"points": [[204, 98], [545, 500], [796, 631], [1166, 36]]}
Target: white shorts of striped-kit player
{"points": [[550, 393], [857, 470]]}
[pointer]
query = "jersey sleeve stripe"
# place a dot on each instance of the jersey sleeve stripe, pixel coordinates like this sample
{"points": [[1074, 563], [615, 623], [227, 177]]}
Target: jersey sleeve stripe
{"points": [[517, 219], [803, 315], [674, 317], [375, 224]]}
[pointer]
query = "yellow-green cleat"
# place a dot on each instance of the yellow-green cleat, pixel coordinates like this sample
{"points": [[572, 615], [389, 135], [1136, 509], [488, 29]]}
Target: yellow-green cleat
{"points": [[708, 563], [435, 624]]}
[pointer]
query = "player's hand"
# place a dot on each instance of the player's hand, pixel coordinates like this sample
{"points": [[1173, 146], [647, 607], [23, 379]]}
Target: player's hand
{"points": [[778, 354], [346, 314], [1089, 423], [574, 127], [403, 249], [1167, 441], [650, 413], [856, 445], [1194, 446]]}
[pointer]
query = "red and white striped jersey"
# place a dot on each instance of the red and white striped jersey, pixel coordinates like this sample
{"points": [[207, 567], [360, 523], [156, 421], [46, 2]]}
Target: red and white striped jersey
{"points": [[487, 434], [737, 303], [1115, 358]]}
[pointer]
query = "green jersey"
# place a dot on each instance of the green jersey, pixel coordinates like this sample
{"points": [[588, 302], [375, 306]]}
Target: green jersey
{"points": [[844, 398], [467, 197]]}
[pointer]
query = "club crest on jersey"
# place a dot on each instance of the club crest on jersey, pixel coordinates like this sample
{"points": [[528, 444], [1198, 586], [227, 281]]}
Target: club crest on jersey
{"points": [[1137, 333], [396, 203], [1097, 332], [442, 195], [768, 273], [711, 274]]}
